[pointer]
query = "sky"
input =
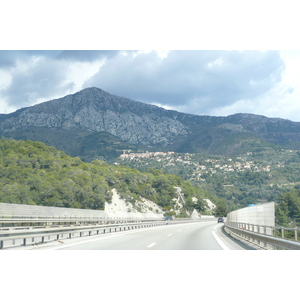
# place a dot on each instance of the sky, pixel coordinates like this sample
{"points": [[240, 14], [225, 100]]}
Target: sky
{"points": [[224, 57], [202, 82]]}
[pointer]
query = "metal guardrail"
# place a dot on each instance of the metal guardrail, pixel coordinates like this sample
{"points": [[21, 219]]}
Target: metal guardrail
{"points": [[23, 236], [33, 221], [17, 237], [265, 236]]}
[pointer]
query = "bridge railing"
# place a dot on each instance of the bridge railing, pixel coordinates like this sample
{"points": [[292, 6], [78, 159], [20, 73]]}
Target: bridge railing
{"points": [[267, 237]]}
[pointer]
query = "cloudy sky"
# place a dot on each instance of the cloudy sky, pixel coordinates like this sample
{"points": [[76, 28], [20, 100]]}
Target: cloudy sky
{"points": [[204, 82], [200, 82]]}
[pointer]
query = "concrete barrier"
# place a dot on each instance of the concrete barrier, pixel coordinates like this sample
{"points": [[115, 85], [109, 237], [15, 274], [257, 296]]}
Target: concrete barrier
{"points": [[14, 210]]}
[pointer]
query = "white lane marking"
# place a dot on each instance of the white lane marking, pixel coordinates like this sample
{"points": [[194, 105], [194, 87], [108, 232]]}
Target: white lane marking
{"points": [[170, 234], [217, 226], [223, 246], [151, 245]]}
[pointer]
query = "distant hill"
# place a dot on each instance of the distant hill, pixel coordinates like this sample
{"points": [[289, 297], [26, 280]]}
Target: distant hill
{"points": [[94, 124]]}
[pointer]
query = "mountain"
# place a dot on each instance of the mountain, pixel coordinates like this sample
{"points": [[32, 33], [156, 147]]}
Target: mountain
{"points": [[94, 124]]}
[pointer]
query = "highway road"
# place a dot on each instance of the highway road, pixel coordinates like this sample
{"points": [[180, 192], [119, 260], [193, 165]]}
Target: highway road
{"points": [[205, 235]]}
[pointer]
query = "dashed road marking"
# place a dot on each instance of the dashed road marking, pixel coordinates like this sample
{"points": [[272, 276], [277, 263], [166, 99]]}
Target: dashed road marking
{"points": [[151, 245]]}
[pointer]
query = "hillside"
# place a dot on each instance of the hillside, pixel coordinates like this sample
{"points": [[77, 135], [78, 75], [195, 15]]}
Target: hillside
{"points": [[33, 173], [94, 124], [255, 177]]}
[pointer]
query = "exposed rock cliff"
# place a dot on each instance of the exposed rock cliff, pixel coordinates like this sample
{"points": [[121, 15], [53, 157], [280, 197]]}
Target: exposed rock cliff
{"points": [[96, 110]]}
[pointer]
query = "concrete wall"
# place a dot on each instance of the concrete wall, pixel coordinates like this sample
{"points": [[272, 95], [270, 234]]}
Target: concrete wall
{"points": [[262, 214], [10, 210]]}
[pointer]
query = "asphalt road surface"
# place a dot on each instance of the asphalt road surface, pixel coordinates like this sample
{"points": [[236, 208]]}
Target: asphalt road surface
{"points": [[206, 235]]}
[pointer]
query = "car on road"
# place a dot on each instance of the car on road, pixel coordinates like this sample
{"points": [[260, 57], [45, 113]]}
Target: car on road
{"points": [[221, 220]]}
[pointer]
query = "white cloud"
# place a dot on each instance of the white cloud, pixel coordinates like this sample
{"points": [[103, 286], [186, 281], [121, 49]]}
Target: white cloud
{"points": [[216, 63], [36, 78], [5, 79], [198, 81], [280, 102], [79, 72]]}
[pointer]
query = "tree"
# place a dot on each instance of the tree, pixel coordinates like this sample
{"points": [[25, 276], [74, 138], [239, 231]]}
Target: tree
{"points": [[288, 210], [220, 210]]}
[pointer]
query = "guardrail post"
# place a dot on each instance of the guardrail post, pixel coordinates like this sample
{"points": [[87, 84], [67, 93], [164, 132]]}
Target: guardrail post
{"points": [[24, 242], [296, 234], [1, 244], [265, 233], [282, 232]]}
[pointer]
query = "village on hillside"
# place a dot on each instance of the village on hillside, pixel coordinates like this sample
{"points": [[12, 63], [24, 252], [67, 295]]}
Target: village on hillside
{"points": [[253, 177], [202, 164]]}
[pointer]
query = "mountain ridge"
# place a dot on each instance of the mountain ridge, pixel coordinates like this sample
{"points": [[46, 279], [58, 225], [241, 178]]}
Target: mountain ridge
{"points": [[145, 126]]}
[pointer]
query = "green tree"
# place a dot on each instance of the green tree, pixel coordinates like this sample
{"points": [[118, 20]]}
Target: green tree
{"points": [[288, 209], [220, 210]]}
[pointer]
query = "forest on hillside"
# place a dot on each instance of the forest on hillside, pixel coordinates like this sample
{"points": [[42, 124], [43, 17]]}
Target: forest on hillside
{"points": [[33, 173]]}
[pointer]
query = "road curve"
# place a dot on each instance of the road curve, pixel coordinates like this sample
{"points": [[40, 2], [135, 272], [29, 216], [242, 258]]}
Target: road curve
{"points": [[188, 236]]}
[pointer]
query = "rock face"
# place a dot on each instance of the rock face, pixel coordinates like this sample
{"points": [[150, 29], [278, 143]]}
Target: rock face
{"points": [[93, 123], [120, 208], [96, 110]]}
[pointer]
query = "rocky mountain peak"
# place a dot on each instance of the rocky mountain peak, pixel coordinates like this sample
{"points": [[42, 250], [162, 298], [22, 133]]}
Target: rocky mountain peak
{"points": [[93, 111], [96, 110]]}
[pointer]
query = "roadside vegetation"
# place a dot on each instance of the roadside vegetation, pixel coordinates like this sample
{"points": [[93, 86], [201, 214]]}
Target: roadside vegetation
{"points": [[288, 209]]}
